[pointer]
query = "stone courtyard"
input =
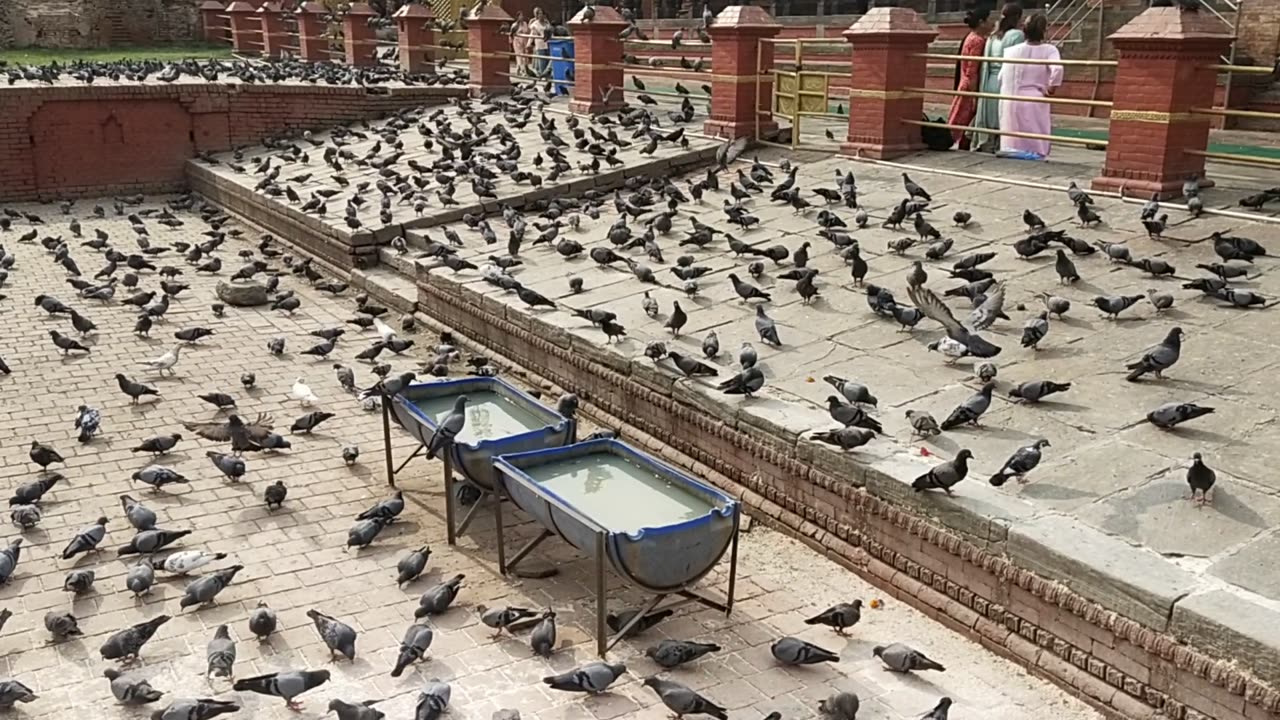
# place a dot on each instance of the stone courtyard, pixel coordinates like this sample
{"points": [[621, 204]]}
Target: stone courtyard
{"points": [[295, 560]]}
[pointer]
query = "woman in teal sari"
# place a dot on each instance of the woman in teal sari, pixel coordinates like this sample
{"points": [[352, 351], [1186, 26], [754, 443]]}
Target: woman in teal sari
{"points": [[1006, 35]]}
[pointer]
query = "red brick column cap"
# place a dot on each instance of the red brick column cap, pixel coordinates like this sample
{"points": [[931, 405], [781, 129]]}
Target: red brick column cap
{"points": [[744, 16], [240, 6], [890, 21], [605, 17], [211, 5], [409, 12], [271, 7], [311, 8], [490, 13], [1170, 23]]}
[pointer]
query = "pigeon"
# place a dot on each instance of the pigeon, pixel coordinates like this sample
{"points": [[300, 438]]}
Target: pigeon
{"points": [[794, 651], [432, 701], [205, 588], [922, 424], [413, 647], [542, 640], [971, 409], [504, 617], [1170, 415], [901, 658], [1034, 331], [25, 516], [9, 559], [838, 617], [309, 422], [159, 444], [31, 493], [447, 430], [229, 465], [945, 476], [747, 291], [1159, 358], [78, 582], [387, 509], [13, 692], [88, 422], [412, 565], [288, 685], [438, 598], [86, 540], [969, 342], [302, 393], [157, 476], [61, 626], [127, 643], [364, 532], [166, 361], [188, 561], [594, 677], [1200, 478], [141, 577], [766, 328], [674, 653], [337, 635], [682, 700], [44, 455], [845, 438], [839, 706], [220, 653], [275, 494], [1021, 462], [1036, 390], [358, 711], [195, 709], [135, 390], [1114, 305], [851, 415], [618, 621], [262, 621], [131, 692]]}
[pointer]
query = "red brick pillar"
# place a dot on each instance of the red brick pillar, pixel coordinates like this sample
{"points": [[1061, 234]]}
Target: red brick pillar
{"points": [[883, 63], [213, 24], [1163, 56], [274, 37], [489, 50], [246, 30], [313, 46], [738, 60], [358, 39], [414, 25], [597, 62]]}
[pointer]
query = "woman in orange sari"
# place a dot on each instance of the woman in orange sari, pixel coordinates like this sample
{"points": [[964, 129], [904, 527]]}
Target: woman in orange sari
{"points": [[969, 73]]}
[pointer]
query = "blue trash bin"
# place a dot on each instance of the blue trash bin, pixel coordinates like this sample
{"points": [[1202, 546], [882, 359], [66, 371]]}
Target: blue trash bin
{"points": [[561, 52]]}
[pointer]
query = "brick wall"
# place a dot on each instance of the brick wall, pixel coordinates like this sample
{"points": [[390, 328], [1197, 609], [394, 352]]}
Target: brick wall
{"points": [[96, 23], [90, 140]]}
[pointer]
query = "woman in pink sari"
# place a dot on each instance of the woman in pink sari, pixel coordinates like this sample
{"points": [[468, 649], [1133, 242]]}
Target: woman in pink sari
{"points": [[520, 44], [969, 73], [1036, 81]]}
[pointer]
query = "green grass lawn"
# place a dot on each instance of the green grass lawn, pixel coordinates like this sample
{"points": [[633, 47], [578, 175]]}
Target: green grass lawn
{"points": [[45, 56]]}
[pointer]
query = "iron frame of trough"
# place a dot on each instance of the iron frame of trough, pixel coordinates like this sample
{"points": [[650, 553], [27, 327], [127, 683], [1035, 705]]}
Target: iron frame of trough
{"points": [[605, 642]]}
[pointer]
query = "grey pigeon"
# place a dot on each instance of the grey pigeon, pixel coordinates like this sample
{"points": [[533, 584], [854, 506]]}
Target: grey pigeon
{"points": [[682, 700], [412, 565], [273, 495], [839, 617], [387, 509], [922, 424], [149, 541], [139, 516], [711, 345], [1159, 358], [31, 493], [262, 621], [840, 706], [1200, 478], [970, 410], [432, 701], [413, 647], [337, 635], [9, 559], [1112, 306], [506, 714], [945, 476], [448, 428], [350, 454], [853, 392], [438, 598], [1021, 462], [221, 653], [939, 711], [13, 692], [904, 659], [747, 356], [594, 677], [25, 516], [130, 692], [543, 638], [229, 465], [78, 582], [363, 532], [747, 383], [159, 444], [195, 709], [1170, 415], [766, 328], [86, 540], [61, 625], [851, 415], [127, 644], [674, 653], [794, 651], [355, 711], [141, 577], [1037, 390], [206, 587], [845, 438], [288, 685], [1034, 331], [504, 617], [157, 476]]}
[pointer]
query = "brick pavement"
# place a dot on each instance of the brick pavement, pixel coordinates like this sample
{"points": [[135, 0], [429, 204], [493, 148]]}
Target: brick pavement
{"points": [[295, 560]]}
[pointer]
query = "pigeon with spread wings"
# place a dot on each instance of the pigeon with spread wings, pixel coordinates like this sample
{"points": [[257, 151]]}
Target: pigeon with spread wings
{"points": [[242, 435], [936, 310]]}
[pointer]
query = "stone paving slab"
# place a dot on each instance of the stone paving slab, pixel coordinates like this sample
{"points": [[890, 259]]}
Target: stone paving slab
{"points": [[294, 558]]}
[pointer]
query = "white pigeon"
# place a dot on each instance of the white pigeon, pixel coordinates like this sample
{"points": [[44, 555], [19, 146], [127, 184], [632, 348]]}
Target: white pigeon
{"points": [[384, 330], [302, 393], [188, 561], [164, 362]]}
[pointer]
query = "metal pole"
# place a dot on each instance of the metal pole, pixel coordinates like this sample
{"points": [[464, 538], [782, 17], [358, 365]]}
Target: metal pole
{"points": [[448, 496], [498, 493], [386, 441], [602, 605], [733, 557]]}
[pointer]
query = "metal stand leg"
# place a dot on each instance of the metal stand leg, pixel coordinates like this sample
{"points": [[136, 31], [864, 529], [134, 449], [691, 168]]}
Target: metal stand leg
{"points": [[497, 523], [602, 604], [528, 548], [386, 441], [471, 513], [451, 533], [733, 558]]}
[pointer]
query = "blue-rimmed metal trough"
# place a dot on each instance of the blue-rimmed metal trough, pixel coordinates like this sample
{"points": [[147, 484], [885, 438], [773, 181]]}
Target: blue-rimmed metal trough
{"points": [[658, 528], [501, 419]]}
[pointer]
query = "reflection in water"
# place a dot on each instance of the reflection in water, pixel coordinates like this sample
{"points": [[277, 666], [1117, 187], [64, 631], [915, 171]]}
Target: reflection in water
{"points": [[490, 415], [621, 496]]}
